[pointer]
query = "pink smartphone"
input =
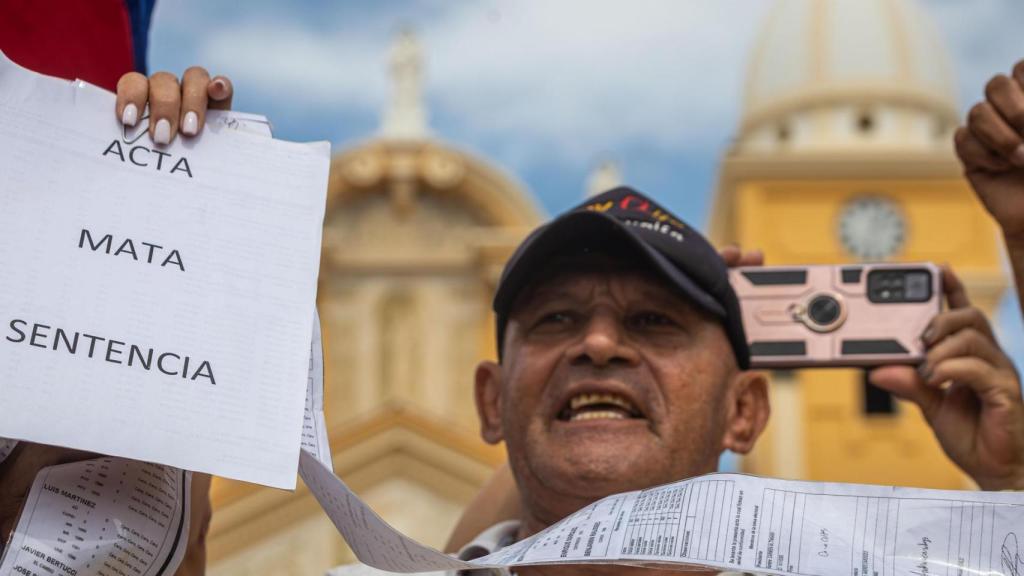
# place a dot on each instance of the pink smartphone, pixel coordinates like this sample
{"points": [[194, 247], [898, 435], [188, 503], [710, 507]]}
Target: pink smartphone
{"points": [[837, 315]]}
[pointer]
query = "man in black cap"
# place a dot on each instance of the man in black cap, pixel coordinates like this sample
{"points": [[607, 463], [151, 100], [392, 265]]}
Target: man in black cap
{"points": [[623, 363]]}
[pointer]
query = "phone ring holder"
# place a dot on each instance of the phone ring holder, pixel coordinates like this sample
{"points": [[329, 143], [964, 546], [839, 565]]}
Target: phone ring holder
{"points": [[823, 312]]}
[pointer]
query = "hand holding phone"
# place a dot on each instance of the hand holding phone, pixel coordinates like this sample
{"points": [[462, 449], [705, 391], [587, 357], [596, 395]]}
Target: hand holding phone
{"points": [[968, 390], [837, 315]]}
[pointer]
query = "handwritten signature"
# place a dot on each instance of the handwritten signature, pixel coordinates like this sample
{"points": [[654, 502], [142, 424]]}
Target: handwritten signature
{"points": [[1012, 562]]}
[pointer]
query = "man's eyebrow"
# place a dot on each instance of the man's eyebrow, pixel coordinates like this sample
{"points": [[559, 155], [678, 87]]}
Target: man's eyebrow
{"points": [[662, 297], [547, 293]]}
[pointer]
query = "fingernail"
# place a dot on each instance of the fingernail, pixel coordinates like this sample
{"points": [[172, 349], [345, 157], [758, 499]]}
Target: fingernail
{"points": [[927, 335], [162, 133], [219, 88], [130, 115], [190, 125], [924, 371], [1018, 156]]}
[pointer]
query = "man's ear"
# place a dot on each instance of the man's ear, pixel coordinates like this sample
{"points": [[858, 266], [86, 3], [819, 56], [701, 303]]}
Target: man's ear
{"points": [[748, 411], [487, 391]]}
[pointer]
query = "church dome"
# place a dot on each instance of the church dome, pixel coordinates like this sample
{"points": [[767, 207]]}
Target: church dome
{"points": [[848, 74]]}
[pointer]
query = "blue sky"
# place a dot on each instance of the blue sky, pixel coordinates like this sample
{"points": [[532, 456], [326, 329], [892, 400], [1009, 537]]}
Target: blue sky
{"points": [[544, 89]]}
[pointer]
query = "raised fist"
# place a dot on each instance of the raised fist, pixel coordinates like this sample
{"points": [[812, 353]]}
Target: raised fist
{"points": [[991, 147]]}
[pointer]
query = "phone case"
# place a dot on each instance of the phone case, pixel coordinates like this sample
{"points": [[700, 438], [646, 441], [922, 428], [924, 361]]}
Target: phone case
{"points": [[837, 315]]}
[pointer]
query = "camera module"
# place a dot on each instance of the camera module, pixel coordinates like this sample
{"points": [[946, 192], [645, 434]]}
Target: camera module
{"points": [[824, 310], [892, 286]]}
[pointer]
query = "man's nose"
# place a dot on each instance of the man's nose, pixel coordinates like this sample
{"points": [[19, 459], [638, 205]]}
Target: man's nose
{"points": [[603, 342]]}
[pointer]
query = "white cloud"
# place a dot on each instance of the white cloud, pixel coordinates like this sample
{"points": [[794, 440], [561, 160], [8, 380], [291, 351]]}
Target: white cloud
{"points": [[985, 39], [292, 63], [569, 79], [577, 78]]}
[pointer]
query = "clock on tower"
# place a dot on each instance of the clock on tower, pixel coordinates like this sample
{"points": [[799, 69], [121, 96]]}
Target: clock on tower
{"points": [[844, 156], [871, 228]]}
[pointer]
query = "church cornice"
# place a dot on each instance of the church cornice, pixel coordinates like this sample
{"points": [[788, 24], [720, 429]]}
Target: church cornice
{"points": [[404, 169], [838, 165], [861, 95]]}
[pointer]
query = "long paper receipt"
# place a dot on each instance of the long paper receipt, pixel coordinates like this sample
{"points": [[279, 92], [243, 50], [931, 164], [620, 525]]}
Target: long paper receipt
{"points": [[155, 300], [732, 522]]}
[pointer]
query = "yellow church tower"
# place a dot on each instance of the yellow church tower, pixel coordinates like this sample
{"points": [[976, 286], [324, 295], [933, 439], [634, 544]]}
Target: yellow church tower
{"points": [[845, 154]]}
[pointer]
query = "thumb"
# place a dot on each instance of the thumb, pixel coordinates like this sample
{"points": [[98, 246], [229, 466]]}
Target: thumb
{"points": [[220, 92], [905, 383]]}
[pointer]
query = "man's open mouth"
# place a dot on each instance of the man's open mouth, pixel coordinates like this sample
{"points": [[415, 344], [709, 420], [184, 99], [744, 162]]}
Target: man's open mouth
{"points": [[598, 406]]}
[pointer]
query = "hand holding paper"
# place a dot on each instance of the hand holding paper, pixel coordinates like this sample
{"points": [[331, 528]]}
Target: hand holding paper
{"points": [[172, 106], [157, 301]]}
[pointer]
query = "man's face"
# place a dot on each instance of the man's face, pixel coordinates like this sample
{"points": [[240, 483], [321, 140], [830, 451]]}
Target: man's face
{"points": [[611, 381]]}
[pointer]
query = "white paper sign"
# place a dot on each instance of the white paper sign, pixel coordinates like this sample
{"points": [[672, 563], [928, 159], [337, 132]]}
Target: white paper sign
{"points": [[155, 300], [732, 522]]}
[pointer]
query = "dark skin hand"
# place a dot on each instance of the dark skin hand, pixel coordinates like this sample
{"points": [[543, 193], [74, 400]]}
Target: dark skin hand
{"points": [[978, 419], [969, 392], [991, 148]]}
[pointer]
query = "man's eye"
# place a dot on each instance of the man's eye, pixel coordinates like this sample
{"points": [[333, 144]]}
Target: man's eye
{"points": [[555, 319], [652, 320]]}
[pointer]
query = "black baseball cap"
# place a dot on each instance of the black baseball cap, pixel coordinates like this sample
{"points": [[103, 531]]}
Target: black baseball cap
{"points": [[624, 218]]}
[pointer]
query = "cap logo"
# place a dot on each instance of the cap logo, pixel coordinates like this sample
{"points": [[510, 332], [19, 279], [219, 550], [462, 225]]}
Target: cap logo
{"points": [[631, 202], [600, 206], [660, 227]]}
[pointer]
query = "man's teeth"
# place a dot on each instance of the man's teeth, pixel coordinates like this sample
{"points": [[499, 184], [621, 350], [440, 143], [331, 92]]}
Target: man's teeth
{"points": [[584, 400], [599, 406], [597, 415]]}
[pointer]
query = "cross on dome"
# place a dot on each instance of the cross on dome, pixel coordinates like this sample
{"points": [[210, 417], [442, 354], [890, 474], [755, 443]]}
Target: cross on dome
{"points": [[406, 117]]}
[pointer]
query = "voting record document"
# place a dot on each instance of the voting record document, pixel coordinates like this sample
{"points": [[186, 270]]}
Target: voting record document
{"points": [[156, 302]]}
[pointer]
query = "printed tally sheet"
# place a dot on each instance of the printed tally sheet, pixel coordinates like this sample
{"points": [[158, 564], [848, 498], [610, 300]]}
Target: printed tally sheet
{"points": [[733, 522], [155, 300], [111, 516], [102, 517]]}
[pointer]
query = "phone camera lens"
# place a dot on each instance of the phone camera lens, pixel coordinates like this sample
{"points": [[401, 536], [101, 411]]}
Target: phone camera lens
{"points": [[823, 310]]}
